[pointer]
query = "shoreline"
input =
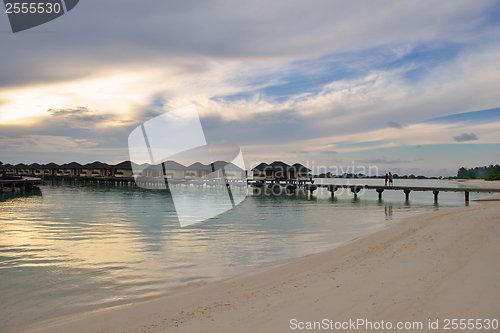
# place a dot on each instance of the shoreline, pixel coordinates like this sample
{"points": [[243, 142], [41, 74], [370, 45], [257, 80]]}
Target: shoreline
{"points": [[431, 276]]}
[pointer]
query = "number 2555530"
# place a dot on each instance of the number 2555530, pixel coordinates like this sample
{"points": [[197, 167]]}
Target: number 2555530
{"points": [[32, 8]]}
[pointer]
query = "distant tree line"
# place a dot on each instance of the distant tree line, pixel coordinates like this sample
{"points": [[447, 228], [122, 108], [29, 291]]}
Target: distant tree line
{"points": [[491, 172]]}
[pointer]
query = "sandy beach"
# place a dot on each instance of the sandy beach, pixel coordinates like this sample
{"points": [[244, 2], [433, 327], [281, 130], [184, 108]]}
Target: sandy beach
{"points": [[430, 267]]}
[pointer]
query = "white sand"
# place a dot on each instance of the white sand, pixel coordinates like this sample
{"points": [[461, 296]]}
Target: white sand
{"points": [[439, 265]]}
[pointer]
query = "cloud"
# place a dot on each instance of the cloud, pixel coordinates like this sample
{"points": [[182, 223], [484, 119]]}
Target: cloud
{"points": [[74, 111], [303, 152], [187, 36], [328, 152], [383, 160], [418, 146], [464, 137], [393, 124], [271, 120], [80, 115]]}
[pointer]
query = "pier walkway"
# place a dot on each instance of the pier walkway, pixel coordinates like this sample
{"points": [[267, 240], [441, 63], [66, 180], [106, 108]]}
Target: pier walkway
{"points": [[408, 189], [22, 183], [275, 185], [355, 189]]}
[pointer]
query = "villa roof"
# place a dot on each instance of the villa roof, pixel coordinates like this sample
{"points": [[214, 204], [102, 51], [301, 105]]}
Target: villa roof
{"points": [[299, 167], [21, 166], [96, 165], [279, 165], [199, 166], [227, 166], [172, 165], [50, 165], [261, 167], [6, 166], [72, 165], [34, 166], [125, 165]]}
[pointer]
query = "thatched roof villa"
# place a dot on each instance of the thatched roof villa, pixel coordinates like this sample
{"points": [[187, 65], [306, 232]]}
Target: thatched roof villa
{"points": [[279, 170]]}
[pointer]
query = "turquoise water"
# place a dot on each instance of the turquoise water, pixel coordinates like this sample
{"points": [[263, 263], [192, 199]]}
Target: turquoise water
{"points": [[72, 248]]}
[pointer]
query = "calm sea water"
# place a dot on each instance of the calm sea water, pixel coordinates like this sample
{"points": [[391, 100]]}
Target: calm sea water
{"points": [[72, 248]]}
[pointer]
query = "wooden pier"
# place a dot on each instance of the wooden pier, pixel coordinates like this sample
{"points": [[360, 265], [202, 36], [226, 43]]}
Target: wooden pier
{"points": [[21, 183], [26, 183], [355, 189], [408, 189]]}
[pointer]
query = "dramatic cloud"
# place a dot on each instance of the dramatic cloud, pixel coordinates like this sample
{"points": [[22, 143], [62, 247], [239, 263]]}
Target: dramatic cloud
{"points": [[283, 77], [184, 35], [393, 124], [464, 137]]}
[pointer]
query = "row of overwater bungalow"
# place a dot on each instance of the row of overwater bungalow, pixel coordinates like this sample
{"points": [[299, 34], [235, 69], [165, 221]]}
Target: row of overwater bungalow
{"points": [[169, 169], [277, 170]]}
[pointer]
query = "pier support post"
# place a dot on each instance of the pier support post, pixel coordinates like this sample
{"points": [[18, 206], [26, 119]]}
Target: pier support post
{"points": [[332, 190], [407, 194], [435, 195], [355, 191], [311, 188], [379, 191], [466, 197]]}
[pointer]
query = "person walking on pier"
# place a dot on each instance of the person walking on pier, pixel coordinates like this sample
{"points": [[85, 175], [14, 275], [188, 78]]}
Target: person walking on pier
{"points": [[390, 179], [386, 179]]}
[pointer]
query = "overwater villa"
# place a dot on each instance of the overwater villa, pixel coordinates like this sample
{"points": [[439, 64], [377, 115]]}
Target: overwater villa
{"points": [[123, 169], [280, 171], [71, 169], [174, 170], [228, 171]]}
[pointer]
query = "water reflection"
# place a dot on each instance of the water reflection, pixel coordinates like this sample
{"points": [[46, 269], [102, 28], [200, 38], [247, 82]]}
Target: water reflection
{"points": [[388, 212], [9, 195]]}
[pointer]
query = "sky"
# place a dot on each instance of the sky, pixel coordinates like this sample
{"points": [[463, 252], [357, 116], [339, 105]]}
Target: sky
{"points": [[409, 87]]}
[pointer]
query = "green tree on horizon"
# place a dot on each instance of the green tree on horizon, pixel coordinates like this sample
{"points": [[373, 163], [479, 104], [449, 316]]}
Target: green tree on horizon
{"points": [[478, 172]]}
